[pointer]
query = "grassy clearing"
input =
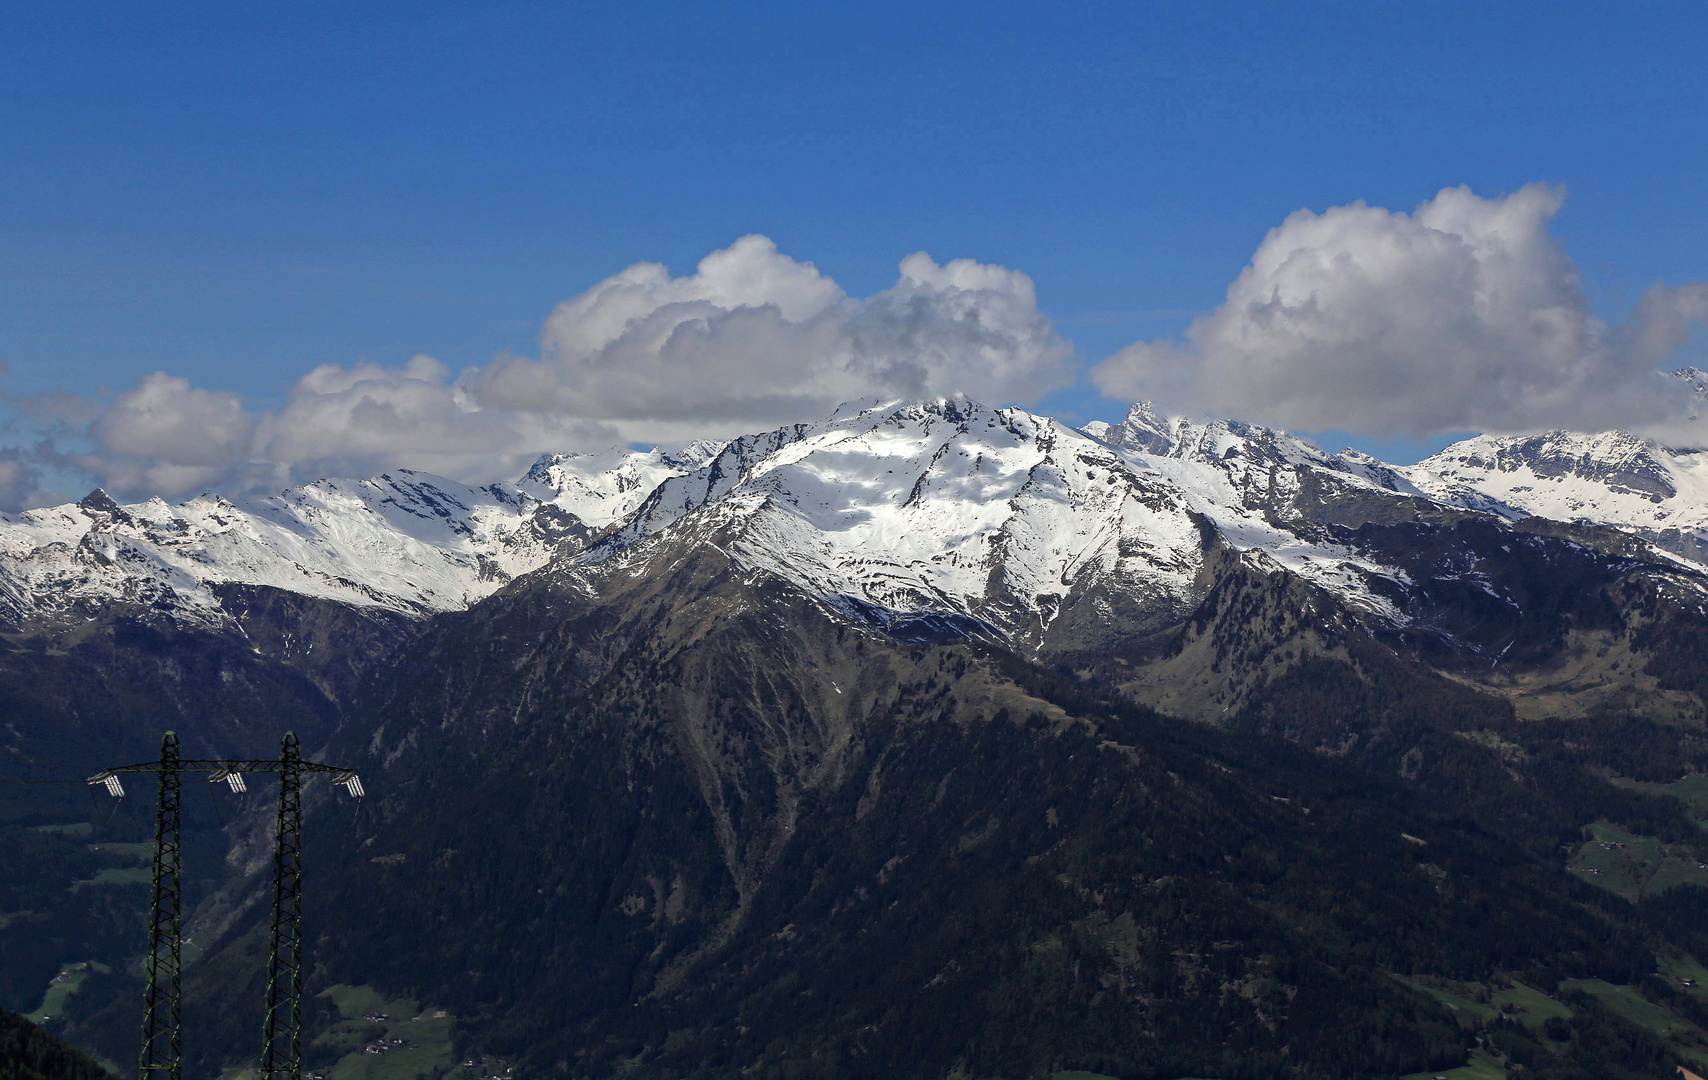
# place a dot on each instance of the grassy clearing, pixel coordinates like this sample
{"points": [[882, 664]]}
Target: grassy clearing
{"points": [[1480, 1067], [1081, 1074], [1469, 1002], [1529, 1006], [1481, 1001], [1684, 1037], [140, 852], [67, 982], [137, 864], [1681, 966], [1474, 1002], [76, 828], [1633, 866], [377, 1038], [1692, 791], [1634, 1007], [117, 875]]}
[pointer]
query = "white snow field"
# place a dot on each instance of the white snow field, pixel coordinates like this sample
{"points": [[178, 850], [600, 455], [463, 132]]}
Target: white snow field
{"points": [[943, 505]]}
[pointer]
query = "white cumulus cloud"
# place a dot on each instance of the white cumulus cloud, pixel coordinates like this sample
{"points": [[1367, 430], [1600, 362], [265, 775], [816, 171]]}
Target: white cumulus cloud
{"points": [[1464, 314], [166, 435], [363, 419], [752, 338]]}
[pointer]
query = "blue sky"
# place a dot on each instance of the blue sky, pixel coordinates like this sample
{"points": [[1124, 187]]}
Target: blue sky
{"points": [[235, 194]]}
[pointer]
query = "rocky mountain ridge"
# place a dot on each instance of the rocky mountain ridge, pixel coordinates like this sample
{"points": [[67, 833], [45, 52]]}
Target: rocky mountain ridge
{"points": [[1657, 492], [403, 541], [998, 514]]}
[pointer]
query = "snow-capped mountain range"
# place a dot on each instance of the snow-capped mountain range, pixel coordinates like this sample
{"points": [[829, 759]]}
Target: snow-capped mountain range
{"points": [[1610, 478], [1002, 515], [406, 541]]}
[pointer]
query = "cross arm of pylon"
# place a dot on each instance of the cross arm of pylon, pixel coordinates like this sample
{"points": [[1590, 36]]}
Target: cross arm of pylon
{"points": [[230, 771]]}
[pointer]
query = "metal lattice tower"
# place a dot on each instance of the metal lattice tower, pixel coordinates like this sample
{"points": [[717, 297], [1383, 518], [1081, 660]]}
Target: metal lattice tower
{"points": [[281, 1051], [281, 1036], [162, 1057]]}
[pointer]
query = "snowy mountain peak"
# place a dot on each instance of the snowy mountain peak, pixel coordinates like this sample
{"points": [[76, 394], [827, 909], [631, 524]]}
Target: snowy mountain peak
{"points": [[1696, 377], [1246, 454], [1615, 460], [605, 486], [1609, 478], [98, 502], [947, 505], [1147, 430], [404, 540]]}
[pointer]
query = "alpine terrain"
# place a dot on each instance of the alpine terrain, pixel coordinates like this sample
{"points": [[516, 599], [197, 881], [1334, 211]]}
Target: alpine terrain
{"points": [[925, 740]]}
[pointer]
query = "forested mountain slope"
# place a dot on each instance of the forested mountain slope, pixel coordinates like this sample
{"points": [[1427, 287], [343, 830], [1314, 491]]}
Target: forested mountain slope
{"points": [[926, 740], [29, 1053], [784, 846]]}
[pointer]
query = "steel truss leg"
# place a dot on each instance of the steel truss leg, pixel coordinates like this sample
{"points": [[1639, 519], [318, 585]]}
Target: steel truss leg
{"points": [[162, 1056], [281, 1045]]}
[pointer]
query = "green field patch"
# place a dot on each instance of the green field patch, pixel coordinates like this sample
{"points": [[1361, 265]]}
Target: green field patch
{"points": [[1633, 866], [1692, 791], [117, 875], [135, 864], [1636, 1008], [352, 1001], [140, 852], [380, 1038], [1081, 1074], [59, 990], [1529, 1006], [1482, 1066], [1483, 1002], [1682, 970], [76, 828], [1470, 1002], [1684, 1037]]}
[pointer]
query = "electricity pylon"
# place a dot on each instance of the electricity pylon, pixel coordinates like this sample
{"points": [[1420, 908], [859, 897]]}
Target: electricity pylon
{"points": [[161, 1057], [281, 1036], [161, 1051]]}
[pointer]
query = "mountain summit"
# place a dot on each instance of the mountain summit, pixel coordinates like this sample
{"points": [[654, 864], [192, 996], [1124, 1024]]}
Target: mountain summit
{"points": [[1003, 515]]}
